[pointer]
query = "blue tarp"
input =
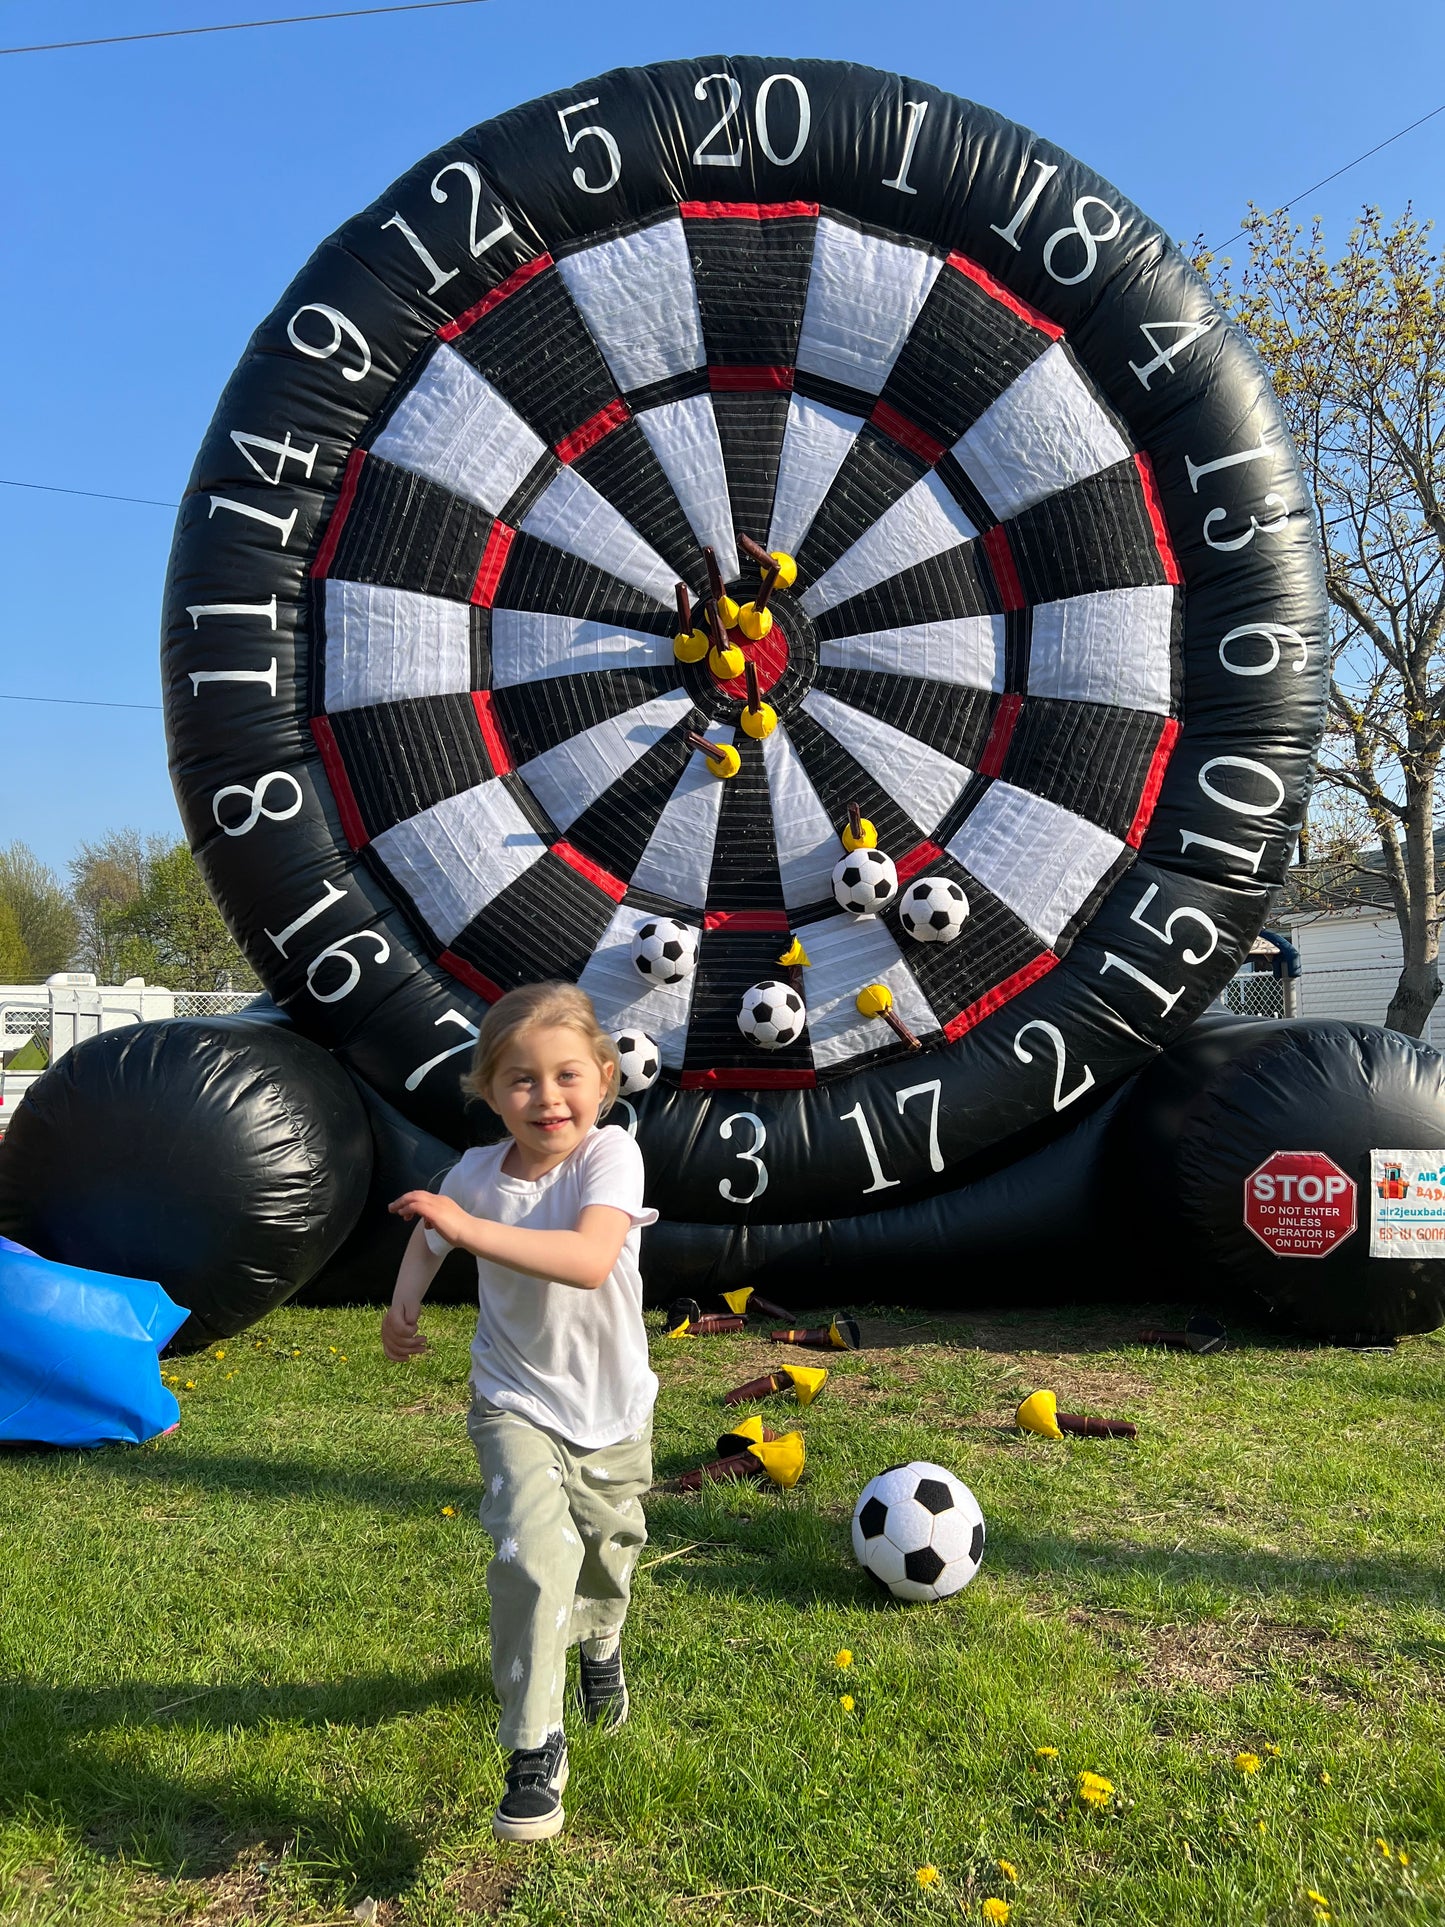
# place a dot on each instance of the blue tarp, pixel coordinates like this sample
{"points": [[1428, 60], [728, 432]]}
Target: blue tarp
{"points": [[79, 1354]]}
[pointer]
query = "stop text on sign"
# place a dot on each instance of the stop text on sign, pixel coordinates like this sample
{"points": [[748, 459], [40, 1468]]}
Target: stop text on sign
{"points": [[1300, 1204]]}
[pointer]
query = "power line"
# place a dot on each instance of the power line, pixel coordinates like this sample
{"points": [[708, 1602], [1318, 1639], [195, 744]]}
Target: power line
{"points": [[1379, 145], [95, 495], [78, 702], [237, 26]]}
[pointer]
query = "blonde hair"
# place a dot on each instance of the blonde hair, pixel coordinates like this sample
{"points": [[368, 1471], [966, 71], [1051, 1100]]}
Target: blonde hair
{"points": [[540, 1007]]}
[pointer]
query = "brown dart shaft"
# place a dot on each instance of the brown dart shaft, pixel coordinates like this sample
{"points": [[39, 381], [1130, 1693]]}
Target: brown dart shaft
{"points": [[1096, 1428], [731, 1443], [742, 1466], [712, 1323], [770, 582], [763, 1387], [765, 1305], [855, 822], [750, 671], [896, 1024], [714, 574], [715, 627], [684, 607], [694, 741], [821, 1335], [756, 551]]}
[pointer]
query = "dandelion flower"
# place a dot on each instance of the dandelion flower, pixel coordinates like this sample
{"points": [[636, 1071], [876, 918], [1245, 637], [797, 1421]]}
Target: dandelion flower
{"points": [[1271, 1749], [219, 1354], [926, 1876], [1095, 1790], [1007, 1869], [343, 1358], [1046, 1752], [1246, 1763], [1318, 1899], [1386, 1849], [332, 1350], [843, 1659], [190, 1385], [449, 1512], [1403, 1857], [1324, 1777], [996, 1911], [845, 1700]]}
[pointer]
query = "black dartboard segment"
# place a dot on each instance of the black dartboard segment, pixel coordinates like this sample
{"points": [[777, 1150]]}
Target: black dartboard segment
{"points": [[1057, 609]]}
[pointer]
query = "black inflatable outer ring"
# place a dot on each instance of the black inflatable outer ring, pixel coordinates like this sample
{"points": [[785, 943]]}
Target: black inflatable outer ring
{"points": [[354, 976]]}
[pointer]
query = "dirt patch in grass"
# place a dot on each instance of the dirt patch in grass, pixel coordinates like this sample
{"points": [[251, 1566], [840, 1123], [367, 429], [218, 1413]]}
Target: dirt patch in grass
{"points": [[484, 1887], [1216, 1657]]}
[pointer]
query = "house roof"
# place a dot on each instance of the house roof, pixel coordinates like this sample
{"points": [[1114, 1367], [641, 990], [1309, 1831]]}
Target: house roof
{"points": [[1349, 887]]}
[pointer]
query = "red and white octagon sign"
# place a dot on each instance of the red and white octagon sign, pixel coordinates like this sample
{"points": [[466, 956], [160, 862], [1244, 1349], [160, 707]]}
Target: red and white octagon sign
{"points": [[1300, 1204]]}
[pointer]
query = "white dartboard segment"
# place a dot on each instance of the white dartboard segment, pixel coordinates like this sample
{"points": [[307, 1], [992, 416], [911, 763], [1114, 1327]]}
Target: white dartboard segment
{"points": [[571, 515], [683, 436], [1112, 647], [386, 645], [924, 522], [528, 646], [455, 429], [968, 650], [864, 295], [846, 953], [624, 1001], [638, 298], [677, 861], [816, 442], [1044, 433], [1039, 859], [570, 776], [452, 859], [920, 780], [805, 834]]}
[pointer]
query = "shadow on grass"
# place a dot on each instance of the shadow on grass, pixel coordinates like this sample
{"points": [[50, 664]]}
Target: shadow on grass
{"points": [[72, 1750], [1060, 1327], [269, 1479]]}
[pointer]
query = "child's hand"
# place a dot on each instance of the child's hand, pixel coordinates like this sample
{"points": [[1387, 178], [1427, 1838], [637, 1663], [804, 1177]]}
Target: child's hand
{"points": [[439, 1214], [401, 1337]]}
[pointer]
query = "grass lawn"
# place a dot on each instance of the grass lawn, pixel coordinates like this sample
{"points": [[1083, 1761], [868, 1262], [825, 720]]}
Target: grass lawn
{"points": [[243, 1671]]}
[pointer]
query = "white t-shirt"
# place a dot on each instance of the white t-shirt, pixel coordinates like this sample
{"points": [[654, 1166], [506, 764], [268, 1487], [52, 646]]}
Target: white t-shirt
{"points": [[570, 1360]]}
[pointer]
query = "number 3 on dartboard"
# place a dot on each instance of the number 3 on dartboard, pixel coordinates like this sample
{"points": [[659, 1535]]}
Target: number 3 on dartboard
{"points": [[750, 1156], [1062, 1098]]}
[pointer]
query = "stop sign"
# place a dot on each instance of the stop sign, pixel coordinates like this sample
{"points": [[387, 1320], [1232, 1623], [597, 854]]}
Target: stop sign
{"points": [[1300, 1204]]}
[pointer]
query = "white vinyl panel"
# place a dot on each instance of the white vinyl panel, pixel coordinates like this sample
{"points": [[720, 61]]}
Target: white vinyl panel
{"points": [[968, 650], [864, 295], [622, 997], [1039, 859], [815, 446], [683, 436], [919, 779], [571, 776], [1112, 647], [923, 523], [455, 857], [383, 645], [571, 515], [638, 299], [677, 862], [846, 953], [1043, 433], [528, 646], [805, 834], [454, 428]]}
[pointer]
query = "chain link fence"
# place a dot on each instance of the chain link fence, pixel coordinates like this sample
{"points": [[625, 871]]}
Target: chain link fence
{"points": [[1253, 993], [214, 1003]]}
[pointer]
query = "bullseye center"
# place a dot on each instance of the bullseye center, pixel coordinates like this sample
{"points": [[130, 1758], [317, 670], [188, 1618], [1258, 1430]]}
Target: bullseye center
{"points": [[768, 656]]}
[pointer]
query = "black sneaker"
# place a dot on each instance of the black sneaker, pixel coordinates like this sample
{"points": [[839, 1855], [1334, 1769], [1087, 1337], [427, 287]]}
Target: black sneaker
{"points": [[531, 1807], [602, 1689]]}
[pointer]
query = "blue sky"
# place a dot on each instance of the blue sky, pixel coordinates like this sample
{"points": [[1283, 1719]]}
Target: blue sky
{"points": [[158, 197]]}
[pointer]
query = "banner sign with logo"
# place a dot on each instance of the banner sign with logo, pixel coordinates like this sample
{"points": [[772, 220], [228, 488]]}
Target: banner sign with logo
{"points": [[1407, 1204]]}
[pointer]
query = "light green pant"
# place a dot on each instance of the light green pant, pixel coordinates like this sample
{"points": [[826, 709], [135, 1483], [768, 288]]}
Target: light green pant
{"points": [[566, 1529]]}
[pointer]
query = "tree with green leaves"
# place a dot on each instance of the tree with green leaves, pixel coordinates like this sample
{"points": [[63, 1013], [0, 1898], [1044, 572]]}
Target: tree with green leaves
{"points": [[144, 911], [42, 913], [1355, 347]]}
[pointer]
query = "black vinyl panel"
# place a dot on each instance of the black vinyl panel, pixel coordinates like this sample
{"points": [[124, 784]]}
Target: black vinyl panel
{"points": [[1086, 757], [964, 350], [1095, 535], [729, 963], [993, 945], [535, 350], [947, 716], [536, 716], [751, 430], [530, 490], [965, 491], [840, 780], [752, 286], [625, 472], [402, 757], [539, 577], [545, 924], [481, 647], [745, 855], [955, 583], [834, 394], [404, 532], [615, 830], [652, 394], [875, 472]]}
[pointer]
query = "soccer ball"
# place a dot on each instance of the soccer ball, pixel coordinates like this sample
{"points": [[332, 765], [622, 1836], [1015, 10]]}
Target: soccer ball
{"points": [[772, 1016], [918, 1531], [665, 952], [865, 881], [933, 910], [639, 1061]]}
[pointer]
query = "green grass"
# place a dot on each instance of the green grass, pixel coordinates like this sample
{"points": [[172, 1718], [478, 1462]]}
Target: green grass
{"points": [[243, 1670]]}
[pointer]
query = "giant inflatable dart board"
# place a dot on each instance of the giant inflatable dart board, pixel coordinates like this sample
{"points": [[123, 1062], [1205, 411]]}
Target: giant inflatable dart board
{"points": [[1051, 621]]}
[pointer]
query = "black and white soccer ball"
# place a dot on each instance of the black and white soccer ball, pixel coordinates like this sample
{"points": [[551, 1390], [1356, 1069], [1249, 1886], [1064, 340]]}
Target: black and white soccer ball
{"points": [[918, 1531], [638, 1062], [772, 1015], [933, 910], [664, 951], [865, 882]]}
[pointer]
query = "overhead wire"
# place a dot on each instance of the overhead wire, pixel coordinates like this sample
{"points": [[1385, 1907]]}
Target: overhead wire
{"points": [[94, 494], [238, 26], [77, 702]]}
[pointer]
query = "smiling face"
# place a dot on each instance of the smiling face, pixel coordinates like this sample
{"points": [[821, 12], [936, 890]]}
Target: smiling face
{"points": [[547, 1089]]}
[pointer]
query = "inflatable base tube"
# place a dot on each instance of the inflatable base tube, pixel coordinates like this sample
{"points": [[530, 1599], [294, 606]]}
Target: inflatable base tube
{"points": [[225, 1157]]}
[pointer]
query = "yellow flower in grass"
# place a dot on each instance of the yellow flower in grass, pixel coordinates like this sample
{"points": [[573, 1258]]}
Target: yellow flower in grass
{"points": [[1046, 1752], [1386, 1849], [996, 1911], [1324, 1778], [842, 1659], [1007, 1869], [449, 1512], [1095, 1790], [1318, 1899], [1271, 1749], [190, 1385], [1246, 1763], [1403, 1857], [845, 1700], [926, 1876], [219, 1354]]}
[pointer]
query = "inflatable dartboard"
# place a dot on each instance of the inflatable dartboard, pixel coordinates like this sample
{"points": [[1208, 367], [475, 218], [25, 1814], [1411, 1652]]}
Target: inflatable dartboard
{"points": [[1050, 627]]}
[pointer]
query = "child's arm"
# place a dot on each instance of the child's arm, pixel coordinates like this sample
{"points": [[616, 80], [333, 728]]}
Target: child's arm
{"points": [[400, 1337], [583, 1257]]}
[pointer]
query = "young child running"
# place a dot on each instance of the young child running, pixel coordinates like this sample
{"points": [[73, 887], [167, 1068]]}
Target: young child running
{"points": [[562, 1392]]}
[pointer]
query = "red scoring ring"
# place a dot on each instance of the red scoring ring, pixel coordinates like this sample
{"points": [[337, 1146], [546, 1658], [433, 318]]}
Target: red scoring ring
{"points": [[769, 657]]}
